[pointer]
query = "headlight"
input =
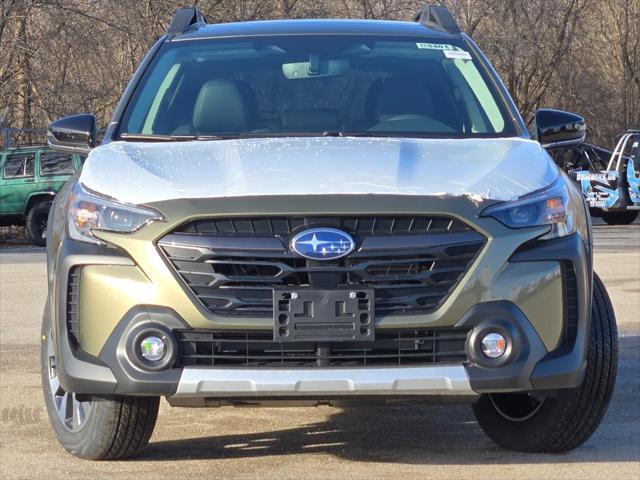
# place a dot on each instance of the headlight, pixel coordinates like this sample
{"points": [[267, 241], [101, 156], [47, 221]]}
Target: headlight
{"points": [[552, 206], [89, 211]]}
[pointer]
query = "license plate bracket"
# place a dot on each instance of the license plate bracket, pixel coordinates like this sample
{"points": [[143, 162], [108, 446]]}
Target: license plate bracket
{"points": [[311, 315]]}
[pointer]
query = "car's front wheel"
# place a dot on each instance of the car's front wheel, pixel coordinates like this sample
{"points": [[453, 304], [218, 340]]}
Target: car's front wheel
{"points": [[37, 223], [525, 423], [89, 426]]}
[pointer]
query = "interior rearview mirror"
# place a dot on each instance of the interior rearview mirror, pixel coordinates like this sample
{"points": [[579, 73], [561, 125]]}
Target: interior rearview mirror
{"points": [[558, 129], [315, 68], [73, 134]]}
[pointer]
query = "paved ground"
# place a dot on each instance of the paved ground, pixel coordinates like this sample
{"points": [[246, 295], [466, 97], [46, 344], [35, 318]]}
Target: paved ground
{"points": [[616, 238], [382, 442]]}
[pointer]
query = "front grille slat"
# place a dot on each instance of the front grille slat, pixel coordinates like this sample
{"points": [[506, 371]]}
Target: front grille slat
{"points": [[359, 225], [570, 301], [250, 349], [73, 307], [232, 264]]}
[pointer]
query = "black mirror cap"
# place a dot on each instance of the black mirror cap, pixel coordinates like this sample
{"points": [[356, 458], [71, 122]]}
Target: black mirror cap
{"points": [[558, 129], [73, 134]]}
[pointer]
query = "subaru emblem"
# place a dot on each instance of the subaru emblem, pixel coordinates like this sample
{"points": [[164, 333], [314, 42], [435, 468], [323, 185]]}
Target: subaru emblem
{"points": [[322, 244]]}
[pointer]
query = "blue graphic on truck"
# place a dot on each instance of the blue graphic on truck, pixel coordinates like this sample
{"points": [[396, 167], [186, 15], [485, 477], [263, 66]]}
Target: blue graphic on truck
{"points": [[633, 180], [597, 189], [606, 189]]}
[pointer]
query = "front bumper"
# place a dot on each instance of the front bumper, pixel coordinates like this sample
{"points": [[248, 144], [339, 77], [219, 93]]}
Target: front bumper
{"points": [[322, 382], [515, 282]]}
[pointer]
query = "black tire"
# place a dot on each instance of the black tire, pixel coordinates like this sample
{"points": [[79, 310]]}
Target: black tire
{"points": [[37, 223], [113, 427], [521, 423], [620, 218]]}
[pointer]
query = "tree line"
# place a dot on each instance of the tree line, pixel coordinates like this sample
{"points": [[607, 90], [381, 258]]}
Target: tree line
{"points": [[59, 57]]}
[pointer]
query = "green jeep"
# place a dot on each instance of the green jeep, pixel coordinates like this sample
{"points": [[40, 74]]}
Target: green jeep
{"points": [[30, 178]]}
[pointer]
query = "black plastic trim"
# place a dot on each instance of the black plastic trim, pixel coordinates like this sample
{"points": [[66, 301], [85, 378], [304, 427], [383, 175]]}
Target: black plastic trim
{"points": [[439, 18], [221, 243], [564, 367], [511, 372], [418, 242], [133, 377], [184, 19]]}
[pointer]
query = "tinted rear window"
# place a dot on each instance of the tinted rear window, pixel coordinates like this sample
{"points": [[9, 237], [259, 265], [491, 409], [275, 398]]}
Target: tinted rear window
{"points": [[52, 163], [19, 165]]}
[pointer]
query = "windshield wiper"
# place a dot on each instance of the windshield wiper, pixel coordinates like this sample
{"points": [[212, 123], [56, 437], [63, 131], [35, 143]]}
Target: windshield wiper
{"points": [[143, 137], [333, 133], [340, 133]]}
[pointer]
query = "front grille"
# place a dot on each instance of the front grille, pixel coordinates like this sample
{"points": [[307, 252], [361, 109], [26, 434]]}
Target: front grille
{"points": [[257, 349], [233, 264], [73, 314]]}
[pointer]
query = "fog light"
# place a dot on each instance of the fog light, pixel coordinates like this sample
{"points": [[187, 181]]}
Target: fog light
{"points": [[152, 349], [494, 345]]}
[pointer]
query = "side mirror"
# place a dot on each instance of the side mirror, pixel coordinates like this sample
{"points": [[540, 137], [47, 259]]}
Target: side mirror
{"points": [[558, 129], [73, 134]]}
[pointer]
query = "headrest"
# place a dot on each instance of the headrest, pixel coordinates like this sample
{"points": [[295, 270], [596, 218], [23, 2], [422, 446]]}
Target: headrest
{"points": [[220, 108], [400, 95]]}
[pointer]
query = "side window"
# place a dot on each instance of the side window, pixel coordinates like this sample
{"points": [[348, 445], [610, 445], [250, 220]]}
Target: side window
{"points": [[29, 166], [52, 163], [19, 165], [13, 167]]}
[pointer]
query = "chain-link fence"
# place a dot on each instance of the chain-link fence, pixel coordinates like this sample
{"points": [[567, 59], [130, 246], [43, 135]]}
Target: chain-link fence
{"points": [[19, 137]]}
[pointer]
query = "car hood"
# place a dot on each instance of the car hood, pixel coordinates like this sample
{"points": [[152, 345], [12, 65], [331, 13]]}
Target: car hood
{"points": [[483, 169]]}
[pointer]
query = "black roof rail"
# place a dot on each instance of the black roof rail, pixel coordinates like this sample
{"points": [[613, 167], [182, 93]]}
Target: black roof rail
{"points": [[184, 18], [437, 17]]}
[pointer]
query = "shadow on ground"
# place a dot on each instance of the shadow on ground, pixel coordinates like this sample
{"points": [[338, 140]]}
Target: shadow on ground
{"points": [[420, 434]]}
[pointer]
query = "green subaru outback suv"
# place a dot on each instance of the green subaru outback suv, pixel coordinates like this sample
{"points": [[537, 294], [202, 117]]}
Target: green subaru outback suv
{"points": [[319, 212], [30, 177]]}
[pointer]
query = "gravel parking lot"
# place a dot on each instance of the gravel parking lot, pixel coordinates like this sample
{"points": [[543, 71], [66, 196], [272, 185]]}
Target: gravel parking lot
{"points": [[415, 441]]}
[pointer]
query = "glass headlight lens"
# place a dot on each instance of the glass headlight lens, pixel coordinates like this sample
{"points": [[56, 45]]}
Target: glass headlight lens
{"points": [[89, 211], [552, 206]]}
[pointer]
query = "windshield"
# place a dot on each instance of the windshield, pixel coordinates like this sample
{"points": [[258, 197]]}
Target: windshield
{"points": [[316, 85]]}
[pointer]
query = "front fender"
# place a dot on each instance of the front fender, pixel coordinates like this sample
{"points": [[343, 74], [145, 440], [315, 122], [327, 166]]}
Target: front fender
{"points": [[56, 229]]}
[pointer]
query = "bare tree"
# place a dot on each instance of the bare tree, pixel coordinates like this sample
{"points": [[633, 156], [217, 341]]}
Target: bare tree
{"points": [[65, 56]]}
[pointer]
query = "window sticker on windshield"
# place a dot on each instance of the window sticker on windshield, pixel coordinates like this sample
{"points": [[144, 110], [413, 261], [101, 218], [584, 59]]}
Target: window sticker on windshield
{"points": [[434, 46], [457, 54]]}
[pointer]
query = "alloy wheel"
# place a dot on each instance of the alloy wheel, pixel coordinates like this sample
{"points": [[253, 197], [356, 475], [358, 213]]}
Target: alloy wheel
{"points": [[73, 409]]}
